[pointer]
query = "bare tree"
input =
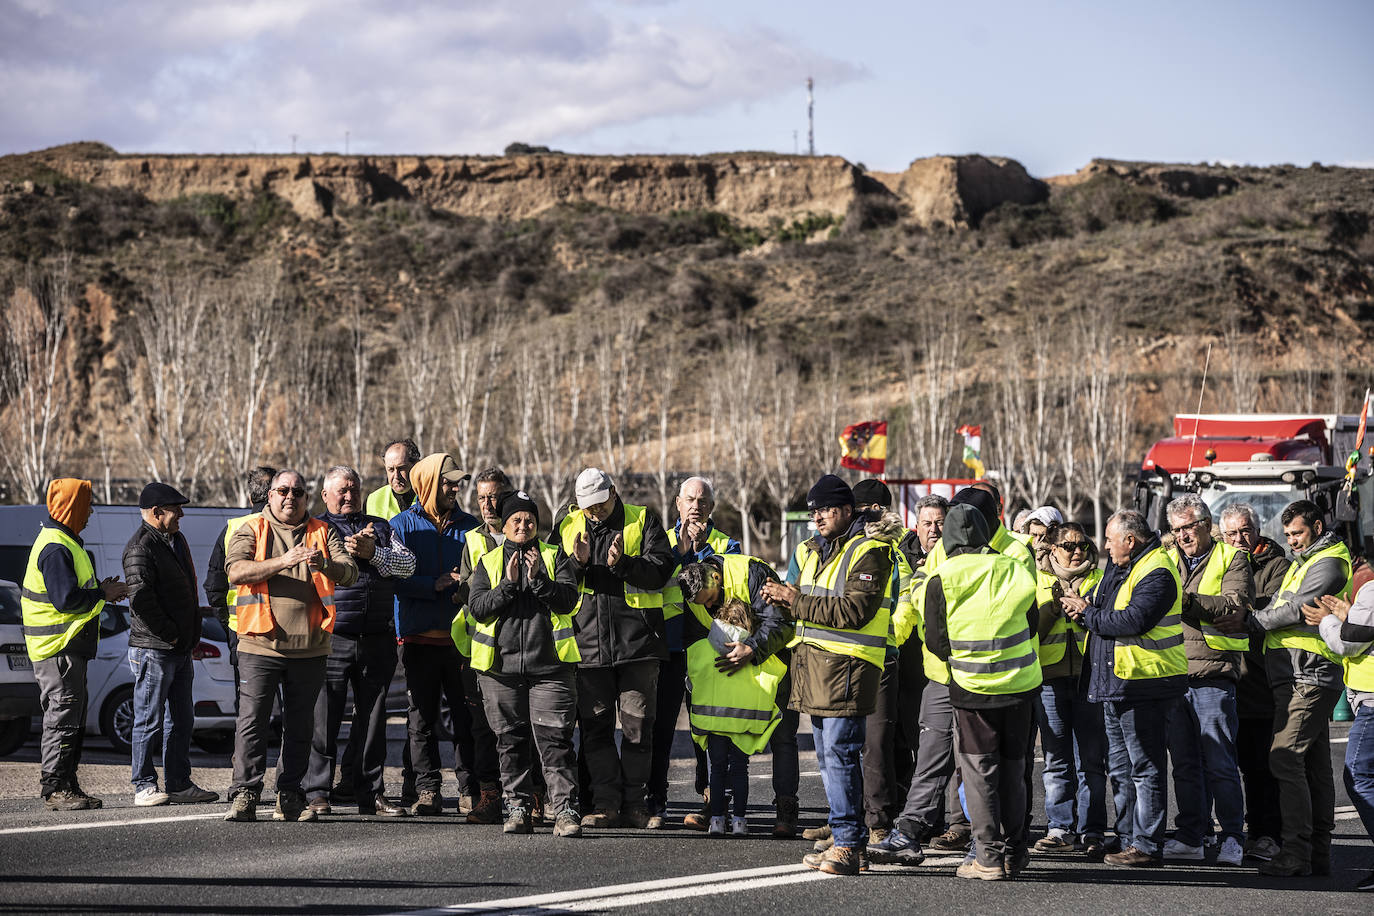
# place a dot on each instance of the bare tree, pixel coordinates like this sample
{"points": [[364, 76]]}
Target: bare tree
{"points": [[549, 396], [35, 388], [666, 386], [249, 320], [735, 401], [1244, 368], [1095, 421], [781, 439], [361, 359], [304, 411], [420, 358], [1026, 431], [615, 374], [935, 393]]}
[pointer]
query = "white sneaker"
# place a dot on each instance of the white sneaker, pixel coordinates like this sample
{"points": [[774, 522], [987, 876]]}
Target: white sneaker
{"points": [[739, 826], [192, 795], [150, 797], [717, 826], [1231, 852], [1176, 850]]}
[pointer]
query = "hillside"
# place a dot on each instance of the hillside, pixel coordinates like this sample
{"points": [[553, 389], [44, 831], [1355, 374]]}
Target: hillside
{"points": [[659, 314]]}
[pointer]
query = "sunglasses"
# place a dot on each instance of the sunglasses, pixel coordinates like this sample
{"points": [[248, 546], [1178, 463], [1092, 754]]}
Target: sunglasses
{"points": [[1072, 546], [284, 492]]}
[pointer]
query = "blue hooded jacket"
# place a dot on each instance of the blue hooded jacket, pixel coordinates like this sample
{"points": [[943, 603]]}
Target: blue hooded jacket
{"points": [[418, 606]]}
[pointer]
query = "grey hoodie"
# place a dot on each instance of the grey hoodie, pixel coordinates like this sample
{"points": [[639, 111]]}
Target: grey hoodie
{"points": [[1283, 665]]}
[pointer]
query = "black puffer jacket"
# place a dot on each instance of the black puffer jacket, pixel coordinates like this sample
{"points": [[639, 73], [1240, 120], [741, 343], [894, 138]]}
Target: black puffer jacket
{"points": [[524, 633], [164, 606]]}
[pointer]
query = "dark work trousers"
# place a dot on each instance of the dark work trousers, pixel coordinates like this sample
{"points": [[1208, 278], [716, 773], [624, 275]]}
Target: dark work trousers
{"points": [[672, 687], [911, 682], [364, 664], [933, 797], [260, 676], [1262, 817], [618, 779], [62, 695], [881, 803], [992, 749], [783, 744], [1300, 759], [433, 672], [729, 775], [533, 719]]}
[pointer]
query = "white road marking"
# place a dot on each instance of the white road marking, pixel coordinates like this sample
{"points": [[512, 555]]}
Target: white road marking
{"points": [[92, 825], [616, 896]]}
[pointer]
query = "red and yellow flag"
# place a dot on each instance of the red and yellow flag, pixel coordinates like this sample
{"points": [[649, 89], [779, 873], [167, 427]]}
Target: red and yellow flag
{"points": [[865, 446]]}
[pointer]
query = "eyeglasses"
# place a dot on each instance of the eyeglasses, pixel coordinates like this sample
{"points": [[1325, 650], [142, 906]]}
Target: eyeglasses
{"points": [[828, 510], [284, 492], [1191, 525], [1072, 546], [1246, 531]]}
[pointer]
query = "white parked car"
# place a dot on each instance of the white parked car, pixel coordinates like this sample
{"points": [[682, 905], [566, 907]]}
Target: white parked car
{"points": [[110, 681]]}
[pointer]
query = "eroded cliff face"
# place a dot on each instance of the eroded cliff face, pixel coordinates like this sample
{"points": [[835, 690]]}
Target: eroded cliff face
{"points": [[752, 188]]}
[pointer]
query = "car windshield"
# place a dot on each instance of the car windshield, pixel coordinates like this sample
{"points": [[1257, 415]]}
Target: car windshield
{"points": [[1268, 505], [10, 611]]}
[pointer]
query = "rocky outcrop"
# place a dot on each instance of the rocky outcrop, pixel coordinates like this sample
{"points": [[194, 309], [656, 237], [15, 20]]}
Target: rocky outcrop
{"points": [[1197, 182], [956, 191]]}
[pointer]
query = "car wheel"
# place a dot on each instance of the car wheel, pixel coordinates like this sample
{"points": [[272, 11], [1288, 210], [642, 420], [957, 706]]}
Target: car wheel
{"points": [[117, 719], [221, 742], [13, 734]]}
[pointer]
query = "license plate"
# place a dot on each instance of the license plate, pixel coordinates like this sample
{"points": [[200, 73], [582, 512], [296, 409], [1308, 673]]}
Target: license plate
{"points": [[19, 663]]}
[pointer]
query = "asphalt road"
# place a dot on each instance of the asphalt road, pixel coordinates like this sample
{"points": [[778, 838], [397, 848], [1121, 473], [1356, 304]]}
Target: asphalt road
{"points": [[123, 859]]}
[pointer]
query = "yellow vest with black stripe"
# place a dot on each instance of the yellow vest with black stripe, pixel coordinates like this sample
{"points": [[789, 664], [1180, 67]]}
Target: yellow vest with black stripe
{"points": [[868, 643], [231, 596], [1056, 641], [575, 523], [1159, 652], [475, 545], [1303, 636], [382, 503], [992, 648], [719, 542], [47, 631], [484, 634], [1002, 541], [743, 706], [1218, 561]]}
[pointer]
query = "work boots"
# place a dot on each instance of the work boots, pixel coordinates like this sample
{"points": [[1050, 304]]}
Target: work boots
{"points": [[488, 807], [837, 860], [785, 824]]}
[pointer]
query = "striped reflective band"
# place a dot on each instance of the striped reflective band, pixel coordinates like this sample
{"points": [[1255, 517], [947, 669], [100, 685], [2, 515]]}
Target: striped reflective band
{"points": [[731, 712], [817, 631], [485, 639], [563, 633], [243, 598], [1167, 642], [1006, 664], [1055, 637], [53, 629], [990, 645], [40, 597]]}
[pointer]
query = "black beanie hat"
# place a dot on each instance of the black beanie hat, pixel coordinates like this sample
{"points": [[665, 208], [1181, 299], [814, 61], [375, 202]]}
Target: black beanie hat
{"points": [[829, 491], [983, 501], [872, 491], [518, 501]]}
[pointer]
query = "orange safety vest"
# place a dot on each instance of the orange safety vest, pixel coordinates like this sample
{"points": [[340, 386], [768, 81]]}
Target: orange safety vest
{"points": [[254, 606]]}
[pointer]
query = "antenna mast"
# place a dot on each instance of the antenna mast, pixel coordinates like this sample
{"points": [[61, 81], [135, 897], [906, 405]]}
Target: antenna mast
{"points": [[810, 118]]}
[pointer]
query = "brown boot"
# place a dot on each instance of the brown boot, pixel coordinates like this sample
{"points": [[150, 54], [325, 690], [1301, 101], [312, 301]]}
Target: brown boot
{"points": [[1130, 857], [700, 820], [537, 809], [488, 807], [817, 833], [837, 860], [785, 825]]}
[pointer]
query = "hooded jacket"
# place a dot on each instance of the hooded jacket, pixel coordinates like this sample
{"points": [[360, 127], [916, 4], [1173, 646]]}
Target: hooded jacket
{"points": [[524, 636], [437, 543], [1237, 596], [164, 609], [1284, 665], [69, 509], [1151, 600]]}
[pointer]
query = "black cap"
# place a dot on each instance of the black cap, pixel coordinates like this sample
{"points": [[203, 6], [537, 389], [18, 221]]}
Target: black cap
{"points": [[518, 501], [872, 492], [829, 491], [160, 494], [980, 499]]}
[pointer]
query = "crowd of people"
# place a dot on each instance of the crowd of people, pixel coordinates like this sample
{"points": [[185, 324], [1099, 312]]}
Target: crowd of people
{"points": [[929, 661]]}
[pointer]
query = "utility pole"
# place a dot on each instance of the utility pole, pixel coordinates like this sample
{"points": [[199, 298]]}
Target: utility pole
{"points": [[293, 144], [345, 143], [810, 118], [794, 143]]}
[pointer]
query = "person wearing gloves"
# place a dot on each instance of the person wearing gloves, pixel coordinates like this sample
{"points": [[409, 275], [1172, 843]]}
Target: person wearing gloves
{"points": [[521, 598]]}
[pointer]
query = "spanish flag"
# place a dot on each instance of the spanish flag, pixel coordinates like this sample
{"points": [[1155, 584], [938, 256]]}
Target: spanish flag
{"points": [[865, 446]]}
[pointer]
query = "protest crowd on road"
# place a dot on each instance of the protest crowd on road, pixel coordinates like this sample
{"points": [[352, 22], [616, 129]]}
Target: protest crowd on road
{"points": [[1201, 661]]}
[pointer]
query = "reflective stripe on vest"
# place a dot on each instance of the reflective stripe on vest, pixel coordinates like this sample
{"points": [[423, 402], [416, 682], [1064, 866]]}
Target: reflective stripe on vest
{"points": [[1159, 652], [868, 643], [1303, 636], [484, 644], [575, 523], [231, 596], [255, 604], [460, 630], [1218, 561], [992, 651], [47, 631]]}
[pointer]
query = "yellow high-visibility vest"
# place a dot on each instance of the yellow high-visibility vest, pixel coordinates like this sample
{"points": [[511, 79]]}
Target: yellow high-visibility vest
{"points": [[484, 634], [992, 647], [1159, 651], [1302, 636], [1217, 563], [868, 643], [47, 631], [575, 523]]}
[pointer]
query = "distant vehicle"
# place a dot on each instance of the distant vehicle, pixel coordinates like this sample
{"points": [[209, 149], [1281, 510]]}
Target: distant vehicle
{"points": [[110, 682]]}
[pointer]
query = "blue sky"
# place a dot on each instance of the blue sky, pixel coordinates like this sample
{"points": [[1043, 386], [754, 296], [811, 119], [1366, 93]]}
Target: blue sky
{"points": [[1050, 84]]}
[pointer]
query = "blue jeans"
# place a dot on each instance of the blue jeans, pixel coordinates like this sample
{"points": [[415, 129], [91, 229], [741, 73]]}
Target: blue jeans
{"points": [[1202, 743], [162, 707], [839, 745], [1075, 744], [1137, 757], [1359, 766]]}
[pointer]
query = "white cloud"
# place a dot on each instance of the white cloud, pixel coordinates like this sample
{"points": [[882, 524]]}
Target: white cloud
{"points": [[412, 76]]}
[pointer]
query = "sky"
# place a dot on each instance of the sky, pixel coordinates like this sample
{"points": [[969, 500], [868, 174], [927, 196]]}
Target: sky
{"points": [[1052, 85]]}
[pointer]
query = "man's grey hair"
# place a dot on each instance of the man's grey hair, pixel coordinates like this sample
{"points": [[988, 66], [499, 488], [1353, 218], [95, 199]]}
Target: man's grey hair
{"points": [[1188, 502], [705, 485], [342, 470], [932, 501], [1019, 523], [494, 475], [1129, 521], [1245, 511], [284, 472]]}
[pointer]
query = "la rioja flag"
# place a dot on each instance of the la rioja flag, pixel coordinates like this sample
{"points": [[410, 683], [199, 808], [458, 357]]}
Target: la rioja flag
{"points": [[865, 446]]}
